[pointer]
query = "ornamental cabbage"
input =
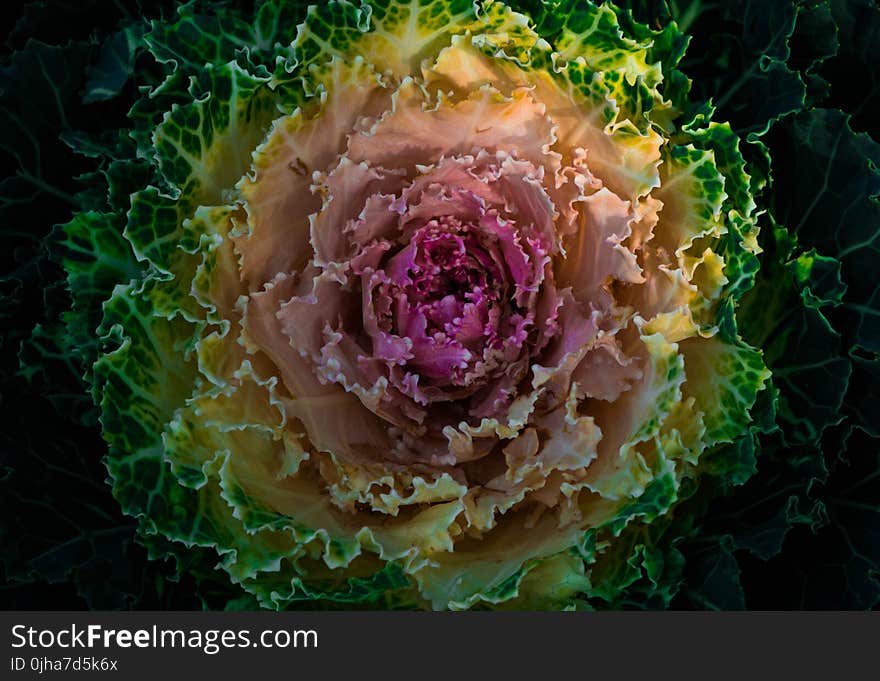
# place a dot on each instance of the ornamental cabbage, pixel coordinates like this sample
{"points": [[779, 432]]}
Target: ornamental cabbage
{"points": [[434, 307], [438, 302]]}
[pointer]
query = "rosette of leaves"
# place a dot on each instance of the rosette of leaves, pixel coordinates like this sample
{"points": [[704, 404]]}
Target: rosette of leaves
{"points": [[451, 304]]}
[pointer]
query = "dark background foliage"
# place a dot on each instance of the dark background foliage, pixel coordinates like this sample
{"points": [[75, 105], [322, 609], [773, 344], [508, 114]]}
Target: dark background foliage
{"points": [[800, 79]]}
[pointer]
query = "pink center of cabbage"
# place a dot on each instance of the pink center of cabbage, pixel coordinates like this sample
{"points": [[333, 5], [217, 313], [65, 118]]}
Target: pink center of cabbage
{"points": [[433, 301], [450, 295]]}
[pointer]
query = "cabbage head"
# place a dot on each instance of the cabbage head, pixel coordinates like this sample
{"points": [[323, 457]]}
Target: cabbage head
{"points": [[456, 304]]}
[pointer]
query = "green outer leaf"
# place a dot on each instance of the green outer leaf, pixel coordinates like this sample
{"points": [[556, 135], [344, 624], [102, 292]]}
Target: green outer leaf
{"points": [[203, 148], [96, 258], [115, 64], [800, 346], [836, 206]]}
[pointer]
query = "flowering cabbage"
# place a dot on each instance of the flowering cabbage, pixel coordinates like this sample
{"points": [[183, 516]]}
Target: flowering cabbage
{"points": [[422, 303]]}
